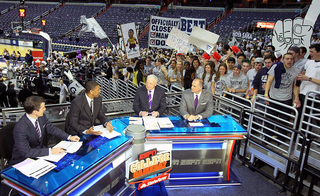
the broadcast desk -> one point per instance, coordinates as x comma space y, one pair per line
97, 167
200, 157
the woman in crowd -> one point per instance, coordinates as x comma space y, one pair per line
189, 75
199, 69
207, 75
14, 58
6, 57
161, 72
129, 74
219, 83
176, 76
138, 74
19, 59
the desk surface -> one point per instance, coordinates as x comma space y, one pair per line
216, 125
94, 151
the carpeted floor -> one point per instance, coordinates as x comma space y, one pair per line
253, 184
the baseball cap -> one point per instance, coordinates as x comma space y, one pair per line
235, 49
216, 56
259, 60
206, 56
295, 49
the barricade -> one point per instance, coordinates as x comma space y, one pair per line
310, 125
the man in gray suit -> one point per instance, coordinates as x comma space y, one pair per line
196, 103
84, 111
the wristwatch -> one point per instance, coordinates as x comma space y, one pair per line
310, 79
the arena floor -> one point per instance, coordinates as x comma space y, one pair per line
10, 48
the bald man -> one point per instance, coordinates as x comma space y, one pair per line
196, 103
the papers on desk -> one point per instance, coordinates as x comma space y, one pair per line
151, 123
106, 133
135, 121
71, 147
196, 124
165, 123
35, 169
53, 157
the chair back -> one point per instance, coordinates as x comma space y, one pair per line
6, 141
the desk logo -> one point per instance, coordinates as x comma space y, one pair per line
149, 163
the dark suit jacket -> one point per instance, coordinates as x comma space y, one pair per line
141, 100
23, 94
26, 143
80, 115
204, 107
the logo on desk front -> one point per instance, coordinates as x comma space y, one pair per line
149, 163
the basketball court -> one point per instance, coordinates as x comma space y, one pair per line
23, 50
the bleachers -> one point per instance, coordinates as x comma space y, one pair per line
209, 14
67, 17
239, 18
120, 15
32, 11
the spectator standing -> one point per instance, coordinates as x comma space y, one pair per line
3, 97
279, 87
12, 96
24, 93
237, 82
310, 79
138, 74
219, 82
208, 75
258, 64
199, 69
298, 62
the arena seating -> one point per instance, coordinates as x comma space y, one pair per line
239, 18
67, 17
210, 15
120, 15
32, 11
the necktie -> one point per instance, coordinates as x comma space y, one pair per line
91, 106
195, 102
38, 130
150, 100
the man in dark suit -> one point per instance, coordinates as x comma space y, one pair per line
24, 93
85, 109
12, 96
29, 132
3, 96
150, 99
196, 103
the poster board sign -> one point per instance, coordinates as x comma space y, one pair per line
203, 39
37, 57
187, 24
75, 88
178, 40
130, 40
160, 27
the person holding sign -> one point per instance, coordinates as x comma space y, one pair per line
132, 41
